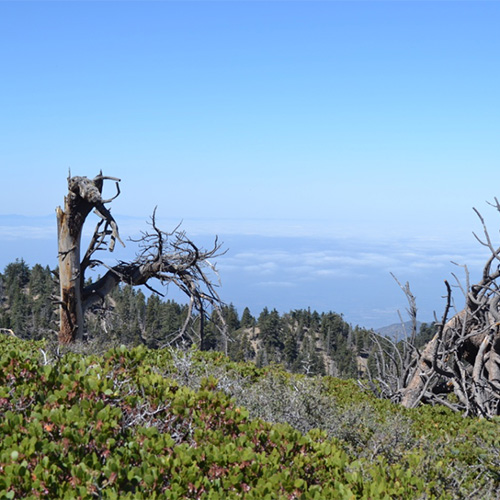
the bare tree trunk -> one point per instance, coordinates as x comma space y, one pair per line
71, 313
83, 195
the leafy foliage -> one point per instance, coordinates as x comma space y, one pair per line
140, 423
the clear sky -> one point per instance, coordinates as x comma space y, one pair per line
326, 140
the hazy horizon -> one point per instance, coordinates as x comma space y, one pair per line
348, 276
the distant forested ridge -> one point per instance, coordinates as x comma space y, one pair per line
302, 340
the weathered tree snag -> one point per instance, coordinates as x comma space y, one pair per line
167, 257
83, 196
463, 357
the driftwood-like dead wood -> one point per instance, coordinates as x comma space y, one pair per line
165, 257
7, 331
462, 358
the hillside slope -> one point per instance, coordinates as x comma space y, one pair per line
140, 423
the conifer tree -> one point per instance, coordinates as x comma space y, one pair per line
247, 320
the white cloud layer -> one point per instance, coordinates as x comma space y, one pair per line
12, 233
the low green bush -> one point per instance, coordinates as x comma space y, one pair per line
169, 424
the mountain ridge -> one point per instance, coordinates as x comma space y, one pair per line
398, 331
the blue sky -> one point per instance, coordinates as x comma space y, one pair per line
327, 143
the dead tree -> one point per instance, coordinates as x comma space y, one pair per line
167, 257
462, 358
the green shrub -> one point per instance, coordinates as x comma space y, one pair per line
167, 424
